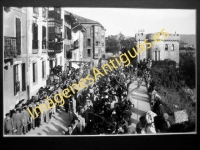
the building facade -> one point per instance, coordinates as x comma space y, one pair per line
15, 56
93, 40
37, 49
38, 39
168, 48
74, 41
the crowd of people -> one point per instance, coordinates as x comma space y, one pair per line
104, 107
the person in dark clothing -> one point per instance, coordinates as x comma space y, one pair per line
17, 121
160, 124
8, 125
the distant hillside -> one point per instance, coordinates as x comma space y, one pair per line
190, 39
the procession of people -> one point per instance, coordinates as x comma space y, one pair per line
105, 107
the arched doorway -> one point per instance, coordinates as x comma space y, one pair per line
157, 54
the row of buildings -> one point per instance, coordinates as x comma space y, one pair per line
36, 39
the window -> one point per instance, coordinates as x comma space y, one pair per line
65, 32
18, 35
166, 47
23, 77
16, 79
88, 52
69, 33
35, 36
88, 31
102, 42
102, 32
43, 69
96, 53
96, 30
69, 54
172, 48
97, 41
88, 42
44, 43
34, 72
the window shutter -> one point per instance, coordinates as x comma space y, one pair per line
36, 73
18, 35
33, 27
33, 65
36, 32
45, 69
23, 77
14, 75
43, 32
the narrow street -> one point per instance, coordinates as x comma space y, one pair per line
61, 120
140, 100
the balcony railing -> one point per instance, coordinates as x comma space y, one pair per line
55, 15
55, 47
10, 47
35, 44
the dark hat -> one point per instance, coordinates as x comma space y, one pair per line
18, 109
7, 114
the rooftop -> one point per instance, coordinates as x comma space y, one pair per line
83, 20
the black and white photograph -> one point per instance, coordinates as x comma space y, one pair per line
86, 71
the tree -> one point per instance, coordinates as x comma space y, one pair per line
187, 68
112, 44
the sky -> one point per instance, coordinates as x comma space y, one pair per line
129, 20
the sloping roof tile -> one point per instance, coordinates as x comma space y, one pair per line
84, 20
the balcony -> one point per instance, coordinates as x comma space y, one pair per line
11, 50
56, 16
55, 47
